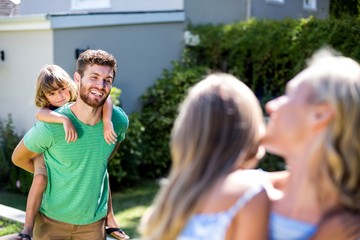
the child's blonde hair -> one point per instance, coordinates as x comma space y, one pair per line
51, 78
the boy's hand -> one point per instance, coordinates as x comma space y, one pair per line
70, 131
109, 133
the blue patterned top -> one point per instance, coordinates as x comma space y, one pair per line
214, 225
284, 228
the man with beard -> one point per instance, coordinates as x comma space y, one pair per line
77, 202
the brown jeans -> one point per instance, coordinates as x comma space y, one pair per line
51, 229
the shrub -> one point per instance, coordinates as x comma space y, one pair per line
12, 178
160, 107
124, 166
340, 8
264, 54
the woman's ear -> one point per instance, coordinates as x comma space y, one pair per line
322, 115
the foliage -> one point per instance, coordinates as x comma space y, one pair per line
12, 177
124, 166
115, 95
119, 170
145, 150
131, 204
341, 8
7, 227
160, 107
13, 199
264, 54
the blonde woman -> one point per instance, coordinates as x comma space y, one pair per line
209, 194
314, 126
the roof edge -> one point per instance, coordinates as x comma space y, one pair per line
25, 22
93, 19
114, 18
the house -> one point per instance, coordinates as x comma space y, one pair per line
145, 37
229, 11
76, 6
144, 43
9, 7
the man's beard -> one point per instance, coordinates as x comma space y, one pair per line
90, 102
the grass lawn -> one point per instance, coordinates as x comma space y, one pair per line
8, 227
128, 205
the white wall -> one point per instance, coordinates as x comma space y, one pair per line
148, 5
28, 7
143, 43
25, 54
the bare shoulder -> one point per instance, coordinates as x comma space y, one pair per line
257, 203
226, 191
251, 221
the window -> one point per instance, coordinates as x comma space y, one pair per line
310, 4
89, 4
281, 2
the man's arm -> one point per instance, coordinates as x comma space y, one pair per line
110, 208
110, 218
114, 151
22, 157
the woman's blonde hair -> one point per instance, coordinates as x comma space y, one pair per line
217, 131
51, 78
335, 79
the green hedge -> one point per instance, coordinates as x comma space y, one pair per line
264, 54
12, 178
341, 8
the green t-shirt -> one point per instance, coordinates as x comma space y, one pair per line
77, 190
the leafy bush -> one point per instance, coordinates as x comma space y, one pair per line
160, 107
115, 95
340, 8
264, 54
124, 166
11, 177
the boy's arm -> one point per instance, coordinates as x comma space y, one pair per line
107, 109
109, 133
47, 115
22, 157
